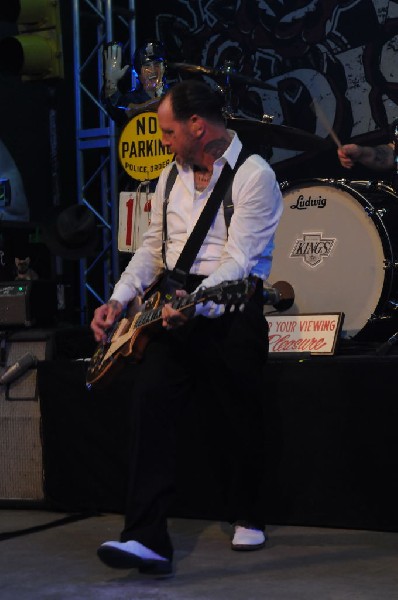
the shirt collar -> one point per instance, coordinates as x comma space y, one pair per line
230, 155
232, 152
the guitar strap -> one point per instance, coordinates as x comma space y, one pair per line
172, 176
222, 191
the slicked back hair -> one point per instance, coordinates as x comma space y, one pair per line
192, 97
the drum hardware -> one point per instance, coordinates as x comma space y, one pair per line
225, 88
394, 304
389, 265
385, 348
287, 183
369, 184
284, 184
395, 174
226, 73
371, 211
374, 185
381, 212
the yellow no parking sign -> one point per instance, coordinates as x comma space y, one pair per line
141, 152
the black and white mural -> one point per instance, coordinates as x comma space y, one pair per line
332, 64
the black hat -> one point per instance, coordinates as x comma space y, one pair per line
150, 51
71, 232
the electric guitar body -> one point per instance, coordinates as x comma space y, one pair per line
129, 336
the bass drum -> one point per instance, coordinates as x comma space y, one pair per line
336, 244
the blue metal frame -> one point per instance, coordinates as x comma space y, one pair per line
96, 149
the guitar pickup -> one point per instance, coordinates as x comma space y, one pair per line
121, 328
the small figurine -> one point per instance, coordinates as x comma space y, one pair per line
24, 270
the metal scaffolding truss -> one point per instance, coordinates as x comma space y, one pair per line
96, 145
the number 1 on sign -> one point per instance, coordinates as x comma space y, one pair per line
134, 219
129, 224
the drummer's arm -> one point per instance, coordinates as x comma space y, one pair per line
379, 158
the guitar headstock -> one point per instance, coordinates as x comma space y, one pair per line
231, 293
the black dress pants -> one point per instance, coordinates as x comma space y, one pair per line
223, 358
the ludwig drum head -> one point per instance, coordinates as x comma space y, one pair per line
328, 247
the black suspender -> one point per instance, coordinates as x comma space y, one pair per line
222, 192
172, 176
227, 199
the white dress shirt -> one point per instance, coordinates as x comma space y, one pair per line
224, 256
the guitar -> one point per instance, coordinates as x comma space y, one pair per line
130, 334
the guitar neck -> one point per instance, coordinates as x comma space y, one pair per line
155, 314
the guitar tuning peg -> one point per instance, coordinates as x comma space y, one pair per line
241, 307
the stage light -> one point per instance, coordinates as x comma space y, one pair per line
35, 52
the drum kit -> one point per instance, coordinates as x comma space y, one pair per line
335, 244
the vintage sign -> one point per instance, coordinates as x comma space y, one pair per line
313, 334
141, 152
134, 219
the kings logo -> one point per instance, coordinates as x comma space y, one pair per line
312, 248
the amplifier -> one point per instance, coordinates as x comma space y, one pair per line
28, 302
21, 453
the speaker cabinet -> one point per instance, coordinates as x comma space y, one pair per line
21, 463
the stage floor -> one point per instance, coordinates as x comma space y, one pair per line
331, 469
53, 555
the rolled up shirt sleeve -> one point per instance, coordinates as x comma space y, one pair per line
146, 263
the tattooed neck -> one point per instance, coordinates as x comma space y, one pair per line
216, 148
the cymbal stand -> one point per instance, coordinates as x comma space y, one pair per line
386, 346
226, 88
395, 175
3, 347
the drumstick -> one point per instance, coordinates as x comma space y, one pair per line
322, 117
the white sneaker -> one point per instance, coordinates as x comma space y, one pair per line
132, 554
248, 538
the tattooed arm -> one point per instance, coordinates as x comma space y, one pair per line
380, 158
104, 317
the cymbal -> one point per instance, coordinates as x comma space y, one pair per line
277, 136
238, 77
